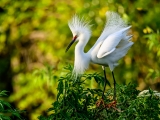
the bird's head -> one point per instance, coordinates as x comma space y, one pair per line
80, 29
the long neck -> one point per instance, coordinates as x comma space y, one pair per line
79, 49
82, 59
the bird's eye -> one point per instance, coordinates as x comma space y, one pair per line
75, 37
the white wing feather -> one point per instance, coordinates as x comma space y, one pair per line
111, 42
114, 23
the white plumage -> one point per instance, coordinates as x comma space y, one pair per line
112, 45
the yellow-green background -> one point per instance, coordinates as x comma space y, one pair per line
34, 35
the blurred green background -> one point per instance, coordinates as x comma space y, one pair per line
34, 35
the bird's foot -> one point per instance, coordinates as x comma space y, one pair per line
113, 105
100, 102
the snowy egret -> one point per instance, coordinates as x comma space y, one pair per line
112, 45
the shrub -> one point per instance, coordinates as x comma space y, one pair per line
75, 101
7, 112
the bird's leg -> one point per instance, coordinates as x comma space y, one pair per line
114, 96
113, 103
101, 101
105, 81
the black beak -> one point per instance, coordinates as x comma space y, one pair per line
70, 44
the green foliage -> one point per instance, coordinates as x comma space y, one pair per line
7, 112
74, 101
153, 42
35, 33
38, 91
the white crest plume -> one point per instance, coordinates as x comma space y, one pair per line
77, 24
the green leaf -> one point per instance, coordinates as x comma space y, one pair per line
3, 93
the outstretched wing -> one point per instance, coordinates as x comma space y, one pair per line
114, 23
111, 42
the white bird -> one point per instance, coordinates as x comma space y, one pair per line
112, 45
